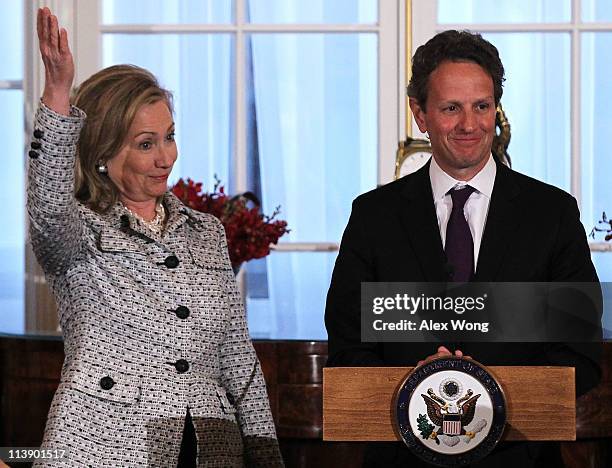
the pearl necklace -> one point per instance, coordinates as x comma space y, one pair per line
156, 225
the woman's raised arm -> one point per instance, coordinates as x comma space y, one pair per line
55, 225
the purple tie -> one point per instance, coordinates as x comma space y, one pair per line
459, 243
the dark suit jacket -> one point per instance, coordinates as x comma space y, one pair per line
532, 234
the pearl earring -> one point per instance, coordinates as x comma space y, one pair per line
102, 169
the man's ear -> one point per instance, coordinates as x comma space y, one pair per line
419, 114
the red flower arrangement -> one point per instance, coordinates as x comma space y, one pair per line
249, 232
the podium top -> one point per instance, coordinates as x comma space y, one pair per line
357, 402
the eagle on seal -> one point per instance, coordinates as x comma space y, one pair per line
451, 418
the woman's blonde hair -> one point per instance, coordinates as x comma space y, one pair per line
110, 98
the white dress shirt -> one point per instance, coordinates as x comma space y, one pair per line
477, 206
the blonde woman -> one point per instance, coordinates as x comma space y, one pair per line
159, 368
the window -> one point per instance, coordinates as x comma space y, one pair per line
296, 101
301, 103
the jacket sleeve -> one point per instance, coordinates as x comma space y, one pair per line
354, 265
55, 225
572, 264
243, 379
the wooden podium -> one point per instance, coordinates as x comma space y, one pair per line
357, 402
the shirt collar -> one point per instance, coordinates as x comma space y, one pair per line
441, 182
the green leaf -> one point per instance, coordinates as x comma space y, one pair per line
424, 427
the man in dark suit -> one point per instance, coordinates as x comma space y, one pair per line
507, 228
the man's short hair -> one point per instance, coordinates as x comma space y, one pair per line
454, 46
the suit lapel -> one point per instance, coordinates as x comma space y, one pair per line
503, 220
418, 218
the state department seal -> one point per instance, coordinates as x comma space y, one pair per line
450, 411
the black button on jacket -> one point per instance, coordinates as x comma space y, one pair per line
106, 383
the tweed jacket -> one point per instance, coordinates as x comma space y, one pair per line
152, 326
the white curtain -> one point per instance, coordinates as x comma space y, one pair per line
315, 107
12, 174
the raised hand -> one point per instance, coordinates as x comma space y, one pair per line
57, 58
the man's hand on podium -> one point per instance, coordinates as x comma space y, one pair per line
442, 352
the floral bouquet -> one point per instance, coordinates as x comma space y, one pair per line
249, 232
